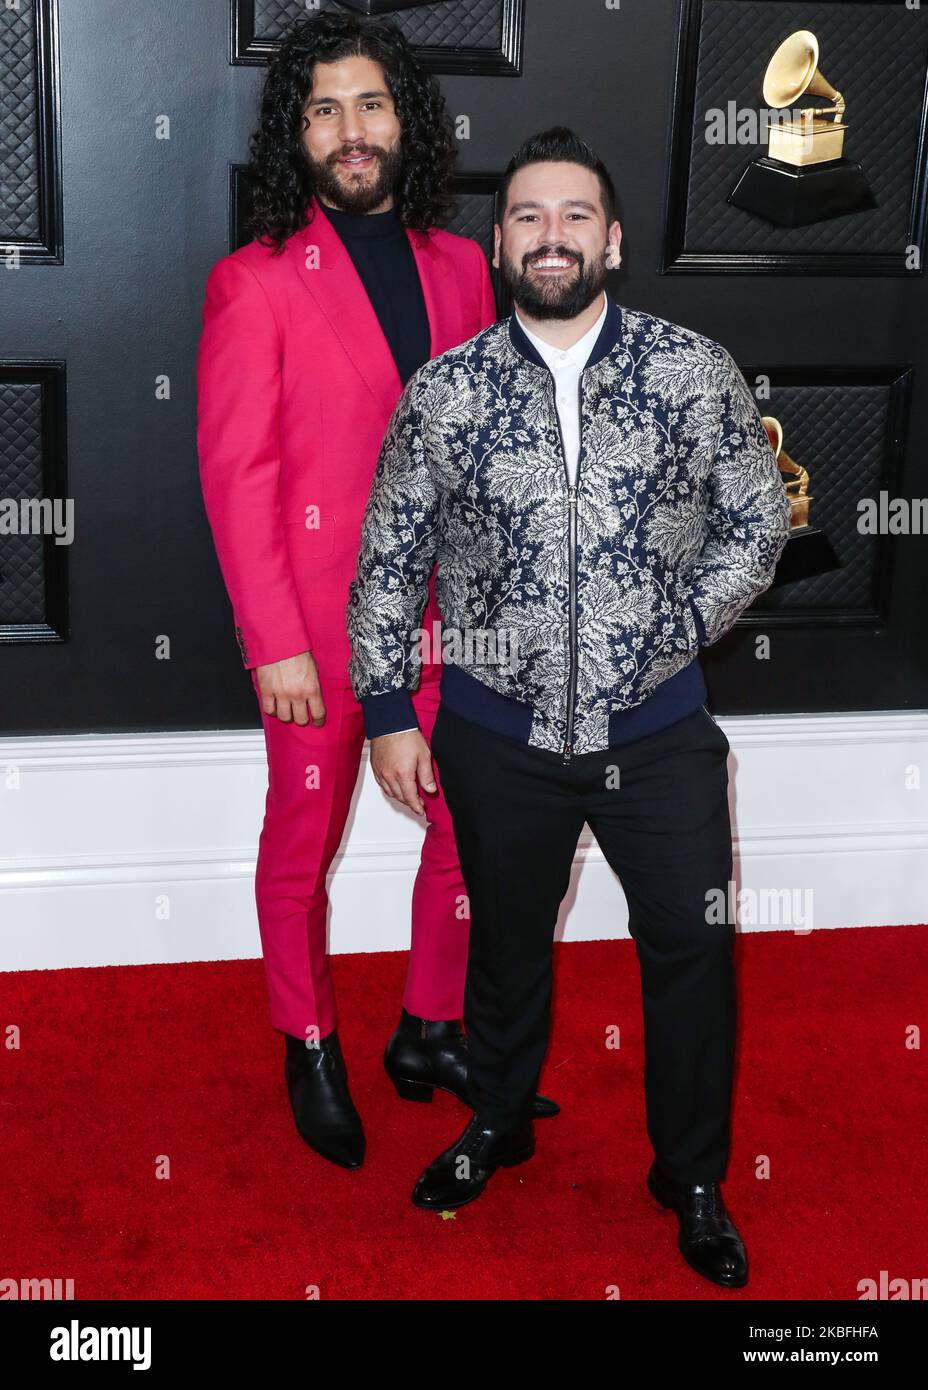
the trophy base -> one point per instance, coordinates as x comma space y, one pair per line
807, 552
794, 195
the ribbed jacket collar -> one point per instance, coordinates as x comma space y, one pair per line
609, 335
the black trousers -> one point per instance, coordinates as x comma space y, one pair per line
658, 808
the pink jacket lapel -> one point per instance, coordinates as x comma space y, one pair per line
327, 271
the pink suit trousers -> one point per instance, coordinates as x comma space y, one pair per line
296, 385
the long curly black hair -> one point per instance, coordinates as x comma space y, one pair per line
279, 177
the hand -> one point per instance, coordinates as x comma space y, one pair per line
287, 687
398, 760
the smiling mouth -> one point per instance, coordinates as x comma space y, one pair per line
554, 264
356, 161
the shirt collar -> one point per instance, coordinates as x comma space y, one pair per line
577, 353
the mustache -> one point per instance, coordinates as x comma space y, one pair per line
560, 251
354, 149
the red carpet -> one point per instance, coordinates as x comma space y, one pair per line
120, 1066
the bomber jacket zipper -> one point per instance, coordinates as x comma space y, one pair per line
572, 489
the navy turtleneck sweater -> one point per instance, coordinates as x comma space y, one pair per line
379, 248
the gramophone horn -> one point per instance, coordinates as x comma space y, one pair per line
793, 71
774, 432
797, 490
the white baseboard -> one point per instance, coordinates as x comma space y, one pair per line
122, 850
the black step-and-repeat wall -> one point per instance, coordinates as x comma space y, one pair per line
796, 239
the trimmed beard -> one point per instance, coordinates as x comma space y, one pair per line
563, 298
357, 196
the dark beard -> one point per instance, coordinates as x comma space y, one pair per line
357, 197
561, 299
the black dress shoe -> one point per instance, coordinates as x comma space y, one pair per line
448, 1182
708, 1240
423, 1055
317, 1083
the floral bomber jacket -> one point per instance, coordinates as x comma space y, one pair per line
605, 589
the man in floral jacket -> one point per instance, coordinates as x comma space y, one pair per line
599, 494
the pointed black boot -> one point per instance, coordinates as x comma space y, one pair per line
451, 1182
317, 1083
708, 1239
423, 1055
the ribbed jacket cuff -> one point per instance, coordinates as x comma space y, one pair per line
389, 713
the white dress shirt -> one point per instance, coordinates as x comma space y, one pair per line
567, 364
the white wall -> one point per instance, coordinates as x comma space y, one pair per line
95, 831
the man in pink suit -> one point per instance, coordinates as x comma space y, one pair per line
309, 334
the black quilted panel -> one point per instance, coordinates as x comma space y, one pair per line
472, 24
838, 432
20, 182
22, 590
473, 217
875, 54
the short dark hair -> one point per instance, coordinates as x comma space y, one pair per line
561, 144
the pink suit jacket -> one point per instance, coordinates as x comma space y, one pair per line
296, 384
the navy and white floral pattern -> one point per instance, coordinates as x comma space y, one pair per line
679, 503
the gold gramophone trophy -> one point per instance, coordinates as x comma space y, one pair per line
804, 176
808, 550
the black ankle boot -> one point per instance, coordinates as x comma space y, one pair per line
447, 1182
317, 1083
423, 1055
708, 1240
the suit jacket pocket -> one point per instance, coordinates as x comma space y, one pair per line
312, 535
